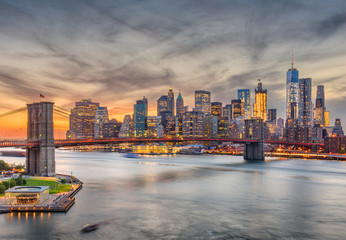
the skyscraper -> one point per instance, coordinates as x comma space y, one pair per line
170, 101
180, 106
337, 129
125, 127
319, 107
82, 119
227, 112
244, 95
260, 105
237, 108
139, 117
292, 92
162, 104
193, 124
305, 103
216, 109
202, 101
100, 119
153, 126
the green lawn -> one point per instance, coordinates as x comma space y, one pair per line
55, 187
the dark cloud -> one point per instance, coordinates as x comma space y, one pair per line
118, 51
332, 24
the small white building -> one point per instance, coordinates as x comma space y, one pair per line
27, 195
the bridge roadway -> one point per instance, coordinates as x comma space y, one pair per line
83, 142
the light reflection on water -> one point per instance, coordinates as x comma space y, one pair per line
192, 197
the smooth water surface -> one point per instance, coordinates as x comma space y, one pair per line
192, 197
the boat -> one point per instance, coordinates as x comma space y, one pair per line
131, 155
190, 151
89, 228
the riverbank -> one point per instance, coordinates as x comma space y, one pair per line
298, 155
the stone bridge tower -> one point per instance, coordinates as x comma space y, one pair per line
40, 160
254, 129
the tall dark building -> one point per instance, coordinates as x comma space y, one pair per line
170, 101
162, 104
305, 103
244, 95
227, 112
139, 117
180, 110
272, 115
216, 109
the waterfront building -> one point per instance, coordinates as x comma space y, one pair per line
101, 118
260, 105
27, 195
305, 103
238, 108
162, 104
193, 123
295, 132
139, 117
335, 144
180, 109
272, 116
82, 119
111, 129
292, 92
202, 101
216, 109
153, 126
244, 95
319, 113
317, 134
170, 101
125, 127
337, 129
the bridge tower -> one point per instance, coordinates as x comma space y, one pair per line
40, 160
254, 129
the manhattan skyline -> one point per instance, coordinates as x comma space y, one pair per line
118, 52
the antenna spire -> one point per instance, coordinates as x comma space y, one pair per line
292, 59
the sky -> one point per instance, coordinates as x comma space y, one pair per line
116, 52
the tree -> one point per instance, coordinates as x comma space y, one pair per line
63, 180
9, 184
19, 181
4, 166
2, 189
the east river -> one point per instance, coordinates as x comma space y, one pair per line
192, 197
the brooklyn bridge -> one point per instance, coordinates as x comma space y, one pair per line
41, 140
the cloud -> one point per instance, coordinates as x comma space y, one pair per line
118, 51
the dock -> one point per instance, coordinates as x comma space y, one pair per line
61, 204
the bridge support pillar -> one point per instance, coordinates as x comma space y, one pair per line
254, 129
254, 151
41, 160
